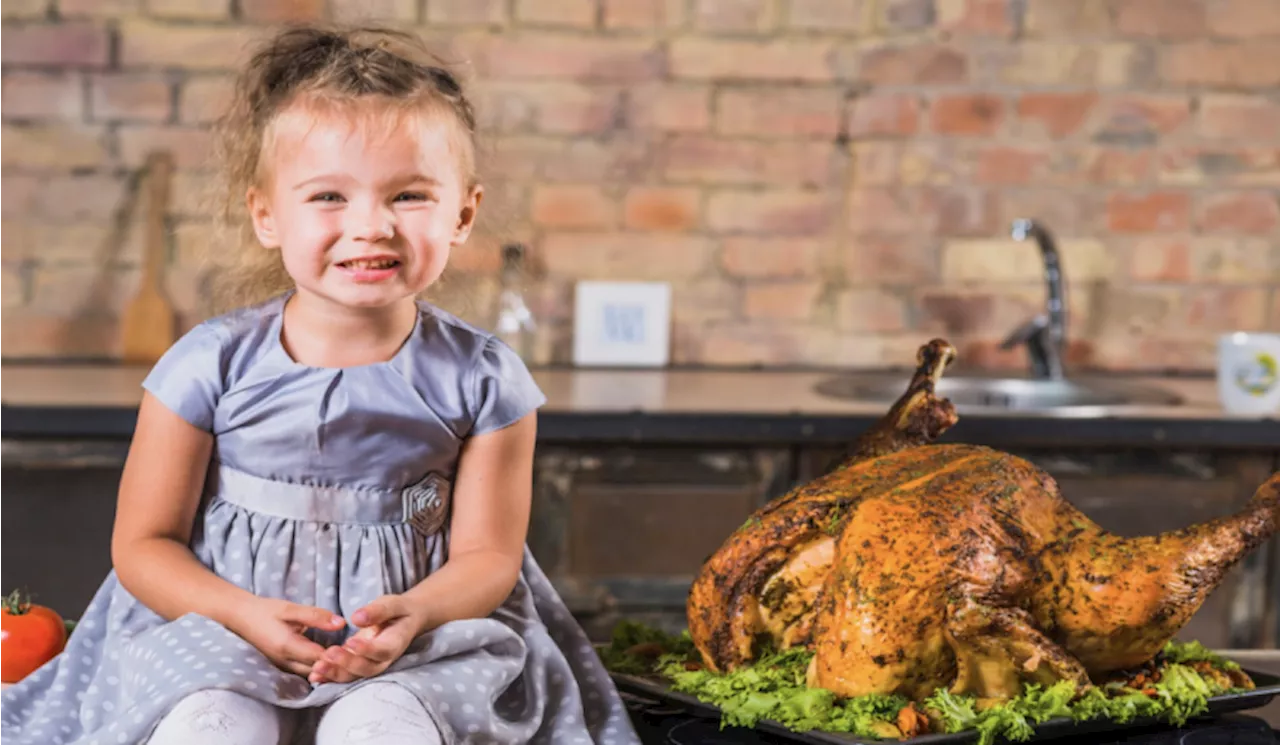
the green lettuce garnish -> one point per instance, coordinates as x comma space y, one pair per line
627, 652
1193, 651
774, 688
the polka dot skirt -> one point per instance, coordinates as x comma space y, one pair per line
525, 674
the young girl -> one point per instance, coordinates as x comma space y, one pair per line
321, 525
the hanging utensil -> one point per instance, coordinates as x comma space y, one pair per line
148, 324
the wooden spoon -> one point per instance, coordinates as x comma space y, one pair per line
148, 324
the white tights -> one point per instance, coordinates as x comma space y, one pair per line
218, 717
374, 714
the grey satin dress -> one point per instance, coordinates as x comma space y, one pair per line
330, 487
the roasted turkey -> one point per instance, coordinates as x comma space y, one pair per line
912, 566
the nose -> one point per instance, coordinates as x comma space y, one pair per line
373, 224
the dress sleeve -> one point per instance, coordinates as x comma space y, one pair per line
503, 389
188, 378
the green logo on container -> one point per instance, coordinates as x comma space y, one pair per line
1258, 377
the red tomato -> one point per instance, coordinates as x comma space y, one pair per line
30, 635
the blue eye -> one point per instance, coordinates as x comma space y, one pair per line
327, 196
415, 196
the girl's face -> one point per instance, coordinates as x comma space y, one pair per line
364, 216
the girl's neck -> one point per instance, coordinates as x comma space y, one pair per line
320, 333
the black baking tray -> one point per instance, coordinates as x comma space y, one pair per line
1267, 688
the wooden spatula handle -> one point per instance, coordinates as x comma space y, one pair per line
159, 175
148, 322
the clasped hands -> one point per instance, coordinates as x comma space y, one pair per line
388, 625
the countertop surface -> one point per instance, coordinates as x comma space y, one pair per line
589, 391
56, 400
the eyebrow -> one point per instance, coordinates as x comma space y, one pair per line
415, 178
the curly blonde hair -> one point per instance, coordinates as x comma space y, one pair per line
333, 67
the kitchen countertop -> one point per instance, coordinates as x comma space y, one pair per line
739, 406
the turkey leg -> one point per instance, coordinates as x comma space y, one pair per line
1116, 601
919, 416
999, 649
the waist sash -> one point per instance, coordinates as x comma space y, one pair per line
423, 505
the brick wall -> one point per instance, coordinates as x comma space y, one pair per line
823, 181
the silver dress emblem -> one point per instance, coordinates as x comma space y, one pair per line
426, 504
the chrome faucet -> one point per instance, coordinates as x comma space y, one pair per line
1045, 335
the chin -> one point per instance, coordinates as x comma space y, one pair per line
368, 297
370, 303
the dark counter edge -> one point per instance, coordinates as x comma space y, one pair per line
638, 427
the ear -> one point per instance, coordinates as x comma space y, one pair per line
264, 225
467, 215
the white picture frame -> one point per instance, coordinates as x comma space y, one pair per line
621, 324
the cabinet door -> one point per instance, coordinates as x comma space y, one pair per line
622, 532
57, 531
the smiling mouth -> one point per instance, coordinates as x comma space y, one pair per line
369, 263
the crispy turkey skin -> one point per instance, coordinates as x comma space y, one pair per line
913, 566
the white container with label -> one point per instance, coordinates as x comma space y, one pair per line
1249, 373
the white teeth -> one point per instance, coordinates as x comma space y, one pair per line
375, 264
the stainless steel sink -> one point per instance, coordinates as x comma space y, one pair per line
1075, 396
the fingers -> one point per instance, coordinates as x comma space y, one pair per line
343, 666
368, 633
379, 611
363, 655
368, 648
301, 669
325, 672
351, 662
301, 649
309, 615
